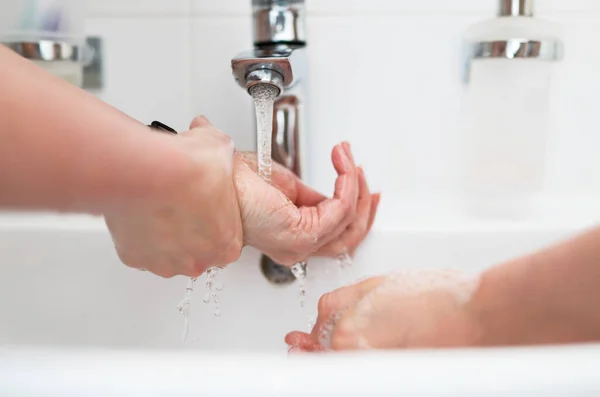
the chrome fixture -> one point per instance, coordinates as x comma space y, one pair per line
279, 22
93, 63
550, 50
47, 51
279, 59
88, 54
546, 50
515, 8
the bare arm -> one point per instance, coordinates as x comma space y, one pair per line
549, 297
62, 149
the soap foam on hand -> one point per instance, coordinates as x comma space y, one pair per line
399, 301
405, 301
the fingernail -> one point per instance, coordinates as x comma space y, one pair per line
349, 151
361, 170
378, 199
203, 121
346, 163
199, 122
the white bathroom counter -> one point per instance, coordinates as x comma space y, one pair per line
554, 371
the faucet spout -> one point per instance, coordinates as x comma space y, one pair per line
283, 67
264, 76
279, 59
279, 21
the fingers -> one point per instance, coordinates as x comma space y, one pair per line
345, 335
349, 240
301, 342
324, 222
286, 182
317, 221
199, 122
375, 200
337, 301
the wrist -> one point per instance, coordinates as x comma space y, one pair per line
492, 310
508, 309
143, 172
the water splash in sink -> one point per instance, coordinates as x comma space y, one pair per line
212, 289
184, 308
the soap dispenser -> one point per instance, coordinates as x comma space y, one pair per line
511, 60
50, 33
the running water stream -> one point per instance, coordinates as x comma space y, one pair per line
264, 96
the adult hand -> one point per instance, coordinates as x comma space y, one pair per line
407, 310
289, 221
219, 203
193, 223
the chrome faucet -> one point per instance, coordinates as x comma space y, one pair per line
279, 59
523, 8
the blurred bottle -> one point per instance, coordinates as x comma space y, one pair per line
507, 110
48, 32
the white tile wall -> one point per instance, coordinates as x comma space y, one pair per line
148, 65
215, 40
385, 74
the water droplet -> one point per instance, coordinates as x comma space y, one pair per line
184, 308
311, 323
217, 312
264, 97
299, 270
219, 286
207, 297
344, 259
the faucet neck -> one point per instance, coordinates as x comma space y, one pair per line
515, 8
279, 22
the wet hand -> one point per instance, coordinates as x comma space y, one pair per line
420, 309
289, 221
219, 203
192, 224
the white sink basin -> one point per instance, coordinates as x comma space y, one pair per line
62, 288
62, 284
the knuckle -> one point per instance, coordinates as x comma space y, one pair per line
354, 241
336, 248
339, 341
196, 269
199, 121
348, 208
287, 259
226, 139
228, 247
192, 268
304, 248
128, 259
166, 273
232, 251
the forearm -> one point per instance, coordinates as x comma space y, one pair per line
62, 149
549, 297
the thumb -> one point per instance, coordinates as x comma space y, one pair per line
199, 122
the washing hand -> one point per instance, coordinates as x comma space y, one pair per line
289, 221
193, 223
219, 204
406, 310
